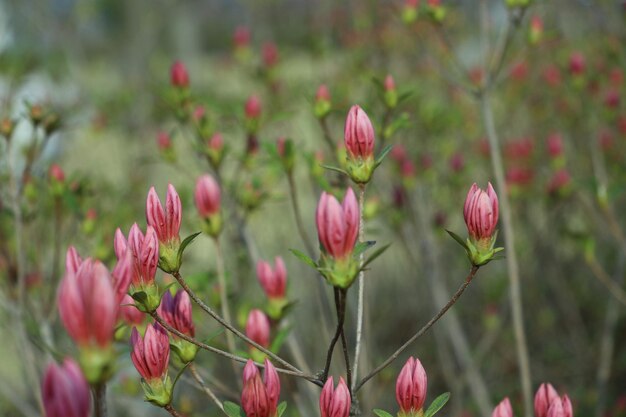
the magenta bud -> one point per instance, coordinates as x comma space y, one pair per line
253, 107
164, 142
389, 84
577, 63
178, 75
543, 399
207, 196
411, 386
335, 402
338, 224
166, 223
568, 410
122, 275
258, 328
272, 385
359, 134
216, 142
249, 371
322, 93
87, 304
64, 391
56, 173
150, 354
273, 281
556, 408
269, 53
254, 398
177, 312
241, 37
555, 145
481, 213
503, 409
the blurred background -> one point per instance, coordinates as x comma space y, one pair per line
102, 68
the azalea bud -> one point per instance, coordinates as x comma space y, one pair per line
269, 54
410, 11
207, 198
64, 391
322, 104
391, 95
543, 399
536, 30
411, 387
56, 173
241, 37
481, 217
122, 275
274, 283
177, 312
252, 111
555, 145
258, 328
7, 125
335, 402
503, 409
166, 224
215, 150
436, 11
359, 142
577, 63
286, 153
260, 398
178, 75
72, 260
559, 182
457, 162
556, 408
130, 314
151, 355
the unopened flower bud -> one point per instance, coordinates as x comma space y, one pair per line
258, 330
286, 153
503, 409
56, 173
274, 283
543, 399
411, 387
323, 103
208, 199
166, 224
130, 314
577, 64
335, 402
7, 125
269, 53
151, 355
391, 95
179, 77
177, 312
481, 217
410, 11
252, 111
535, 31
359, 142
64, 391
259, 398
215, 150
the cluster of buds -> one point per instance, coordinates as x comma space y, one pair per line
259, 397
64, 391
359, 142
89, 299
151, 355
481, 217
338, 229
548, 403
166, 224
208, 200
177, 312
335, 402
322, 104
411, 387
274, 283
145, 259
258, 330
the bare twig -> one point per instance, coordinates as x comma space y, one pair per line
172, 411
221, 279
204, 388
340, 319
361, 294
298, 217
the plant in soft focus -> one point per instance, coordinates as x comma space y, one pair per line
258, 330
503, 409
166, 224
151, 355
274, 284
208, 202
65, 391
177, 312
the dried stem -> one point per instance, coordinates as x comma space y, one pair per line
421, 331
205, 389
100, 400
361, 293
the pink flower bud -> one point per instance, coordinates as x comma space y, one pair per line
249, 371
338, 224
552, 75
122, 275
457, 162
272, 385
322, 93
359, 134
555, 145
198, 114
178, 75
254, 398
72, 260
390, 84
163, 141
145, 252
559, 180
258, 328
207, 196
398, 153
87, 304
129, 313
150, 355
274, 282
543, 398
177, 312
56, 173
481, 212
503, 409
612, 99
568, 410
556, 408
64, 391
241, 37
166, 223
270, 54
216, 142
577, 63
253, 107
411, 386
335, 402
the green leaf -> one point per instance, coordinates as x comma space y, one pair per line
375, 255
213, 335
310, 262
140, 296
459, 239
185, 242
437, 404
377, 81
404, 96
180, 373
331, 168
361, 247
281, 408
381, 413
383, 154
232, 409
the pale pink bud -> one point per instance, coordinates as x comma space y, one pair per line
241, 37
64, 391
207, 196
145, 251
481, 212
119, 243
129, 313
151, 354
270, 54
177, 312
335, 402
249, 371
322, 93
216, 142
166, 223
503, 409
258, 328
87, 304
543, 398
72, 260
359, 134
556, 408
198, 113
536, 23
178, 75
56, 173
338, 224
457, 162
253, 107
411, 386
390, 83
274, 282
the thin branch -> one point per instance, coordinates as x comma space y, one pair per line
328, 138
100, 400
421, 331
221, 279
204, 388
172, 411
338, 331
598, 271
361, 294
298, 217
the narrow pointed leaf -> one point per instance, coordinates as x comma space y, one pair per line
304, 258
383, 154
437, 404
186, 242
281, 408
361, 247
232, 409
381, 413
332, 168
458, 239
375, 255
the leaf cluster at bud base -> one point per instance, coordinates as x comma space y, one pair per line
147, 296
479, 252
169, 261
185, 351
97, 363
339, 273
157, 391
